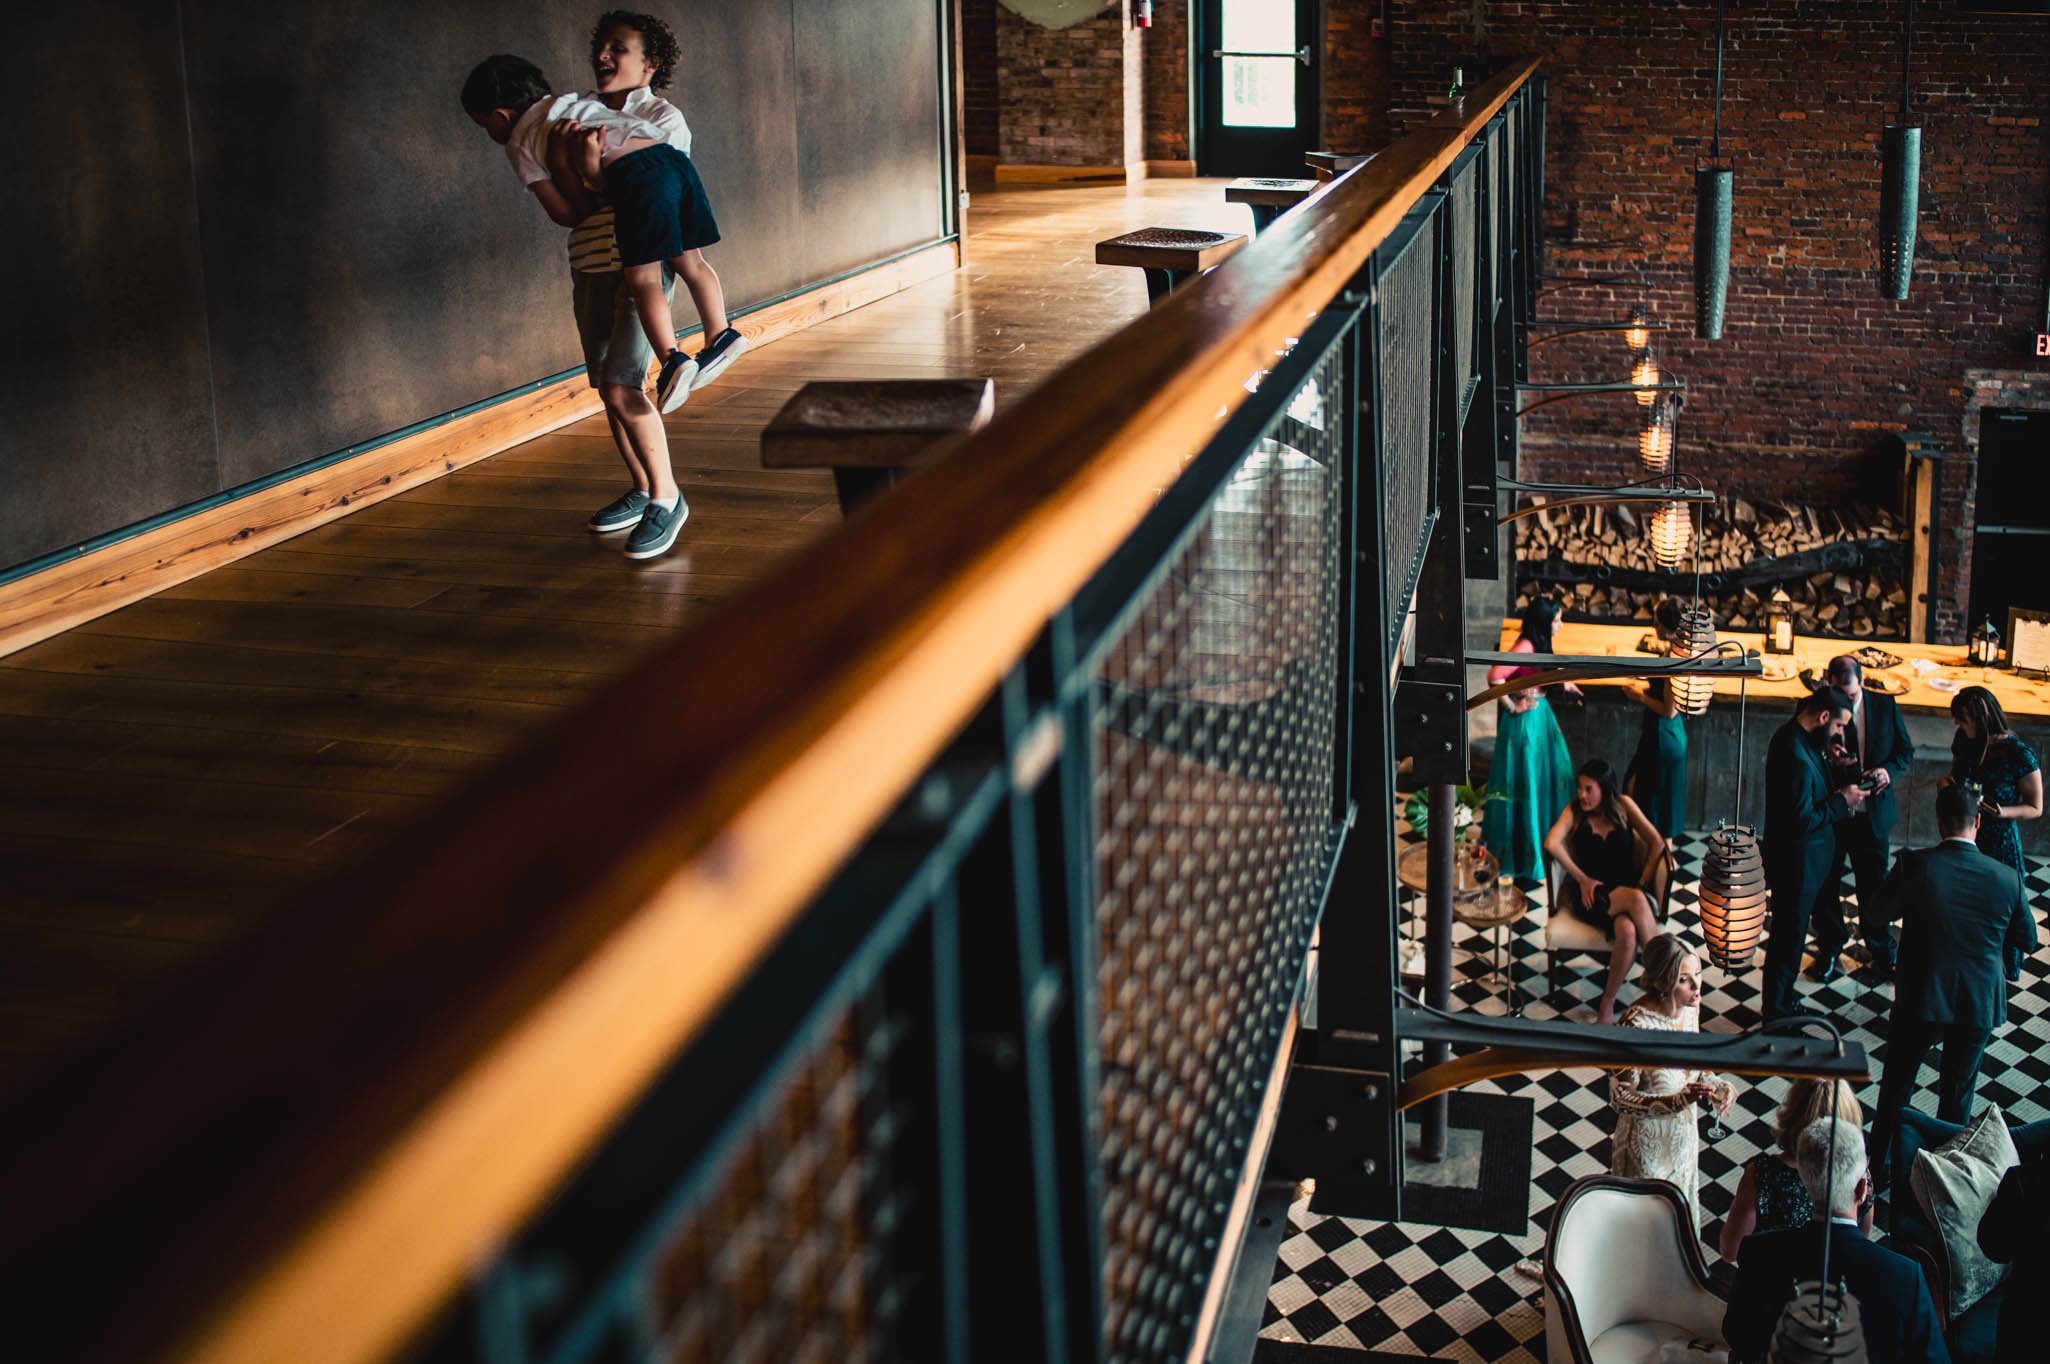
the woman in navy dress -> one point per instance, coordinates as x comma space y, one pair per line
2010, 781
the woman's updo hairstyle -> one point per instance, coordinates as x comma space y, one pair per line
1659, 966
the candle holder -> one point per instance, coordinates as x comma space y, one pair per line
1779, 623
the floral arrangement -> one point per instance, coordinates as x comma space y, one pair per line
1466, 810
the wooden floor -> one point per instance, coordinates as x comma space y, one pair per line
171, 772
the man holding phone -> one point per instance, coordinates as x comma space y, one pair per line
1877, 748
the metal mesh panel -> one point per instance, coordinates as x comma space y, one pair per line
1463, 266
1404, 328
788, 1257
1214, 731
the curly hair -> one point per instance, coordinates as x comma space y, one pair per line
658, 44
504, 82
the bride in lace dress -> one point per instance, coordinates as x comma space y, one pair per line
1656, 1135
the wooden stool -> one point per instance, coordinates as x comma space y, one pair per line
872, 432
1268, 199
1331, 165
1168, 255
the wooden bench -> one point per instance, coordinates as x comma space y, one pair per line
873, 432
1168, 255
1331, 165
1268, 199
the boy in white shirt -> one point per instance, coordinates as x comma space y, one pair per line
660, 211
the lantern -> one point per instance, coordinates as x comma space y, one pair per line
1645, 375
1672, 532
1655, 437
1732, 897
1695, 640
1779, 623
1984, 645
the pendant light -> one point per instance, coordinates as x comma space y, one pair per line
1900, 183
1672, 534
1732, 897
1819, 1325
1714, 186
1696, 640
1655, 436
1644, 374
1637, 336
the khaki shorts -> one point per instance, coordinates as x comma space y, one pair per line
616, 349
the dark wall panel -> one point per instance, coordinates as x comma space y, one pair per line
335, 252
868, 127
104, 416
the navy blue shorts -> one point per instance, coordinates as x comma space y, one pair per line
659, 208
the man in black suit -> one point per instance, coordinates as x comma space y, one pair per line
1876, 743
1958, 910
1894, 1308
1801, 813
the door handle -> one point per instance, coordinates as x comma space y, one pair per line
1302, 54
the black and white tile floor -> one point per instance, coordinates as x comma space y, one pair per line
1448, 1293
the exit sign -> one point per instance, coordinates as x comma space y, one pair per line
2043, 345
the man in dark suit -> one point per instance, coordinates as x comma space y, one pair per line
1876, 743
1895, 1311
1958, 910
1801, 813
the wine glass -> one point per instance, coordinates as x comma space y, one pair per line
1716, 1130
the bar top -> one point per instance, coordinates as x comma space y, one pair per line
2018, 696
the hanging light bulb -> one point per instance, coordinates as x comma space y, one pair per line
1655, 436
1732, 897
1819, 1326
1672, 534
1645, 375
1637, 336
1695, 640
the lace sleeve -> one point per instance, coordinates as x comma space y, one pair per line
1627, 1094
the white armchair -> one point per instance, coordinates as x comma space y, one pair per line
1624, 1274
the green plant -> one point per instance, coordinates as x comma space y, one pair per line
1466, 808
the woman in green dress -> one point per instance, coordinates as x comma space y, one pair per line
1658, 771
1532, 772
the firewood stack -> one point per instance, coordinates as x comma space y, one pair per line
1843, 566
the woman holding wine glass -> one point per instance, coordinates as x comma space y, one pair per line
1655, 1122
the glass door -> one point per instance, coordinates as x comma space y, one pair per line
1257, 98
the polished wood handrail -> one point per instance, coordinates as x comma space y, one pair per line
300, 1152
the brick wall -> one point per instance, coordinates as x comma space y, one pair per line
1814, 368
1355, 78
979, 76
1063, 95
1166, 49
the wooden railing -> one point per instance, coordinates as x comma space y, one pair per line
304, 1152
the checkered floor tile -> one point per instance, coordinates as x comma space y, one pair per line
1448, 1293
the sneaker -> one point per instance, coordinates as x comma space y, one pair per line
673, 385
658, 530
621, 513
713, 359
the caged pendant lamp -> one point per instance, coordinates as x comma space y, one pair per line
1732, 897
1655, 435
1819, 1326
1672, 535
1696, 640
1714, 186
1637, 336
1900, 183
1644, 374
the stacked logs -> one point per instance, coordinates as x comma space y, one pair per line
1843, 566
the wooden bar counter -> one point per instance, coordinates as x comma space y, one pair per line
1608, 725
2020, 697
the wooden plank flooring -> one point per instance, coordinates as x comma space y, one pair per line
170, 773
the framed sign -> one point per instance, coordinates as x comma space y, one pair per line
2028, 641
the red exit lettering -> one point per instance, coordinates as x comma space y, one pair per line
2043, 343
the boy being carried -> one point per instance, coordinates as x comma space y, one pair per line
660, 212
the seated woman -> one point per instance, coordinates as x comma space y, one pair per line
1770, 1195
1594, 841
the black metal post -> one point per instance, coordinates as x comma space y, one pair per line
1438, 953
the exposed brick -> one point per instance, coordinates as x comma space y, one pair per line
1814, 369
